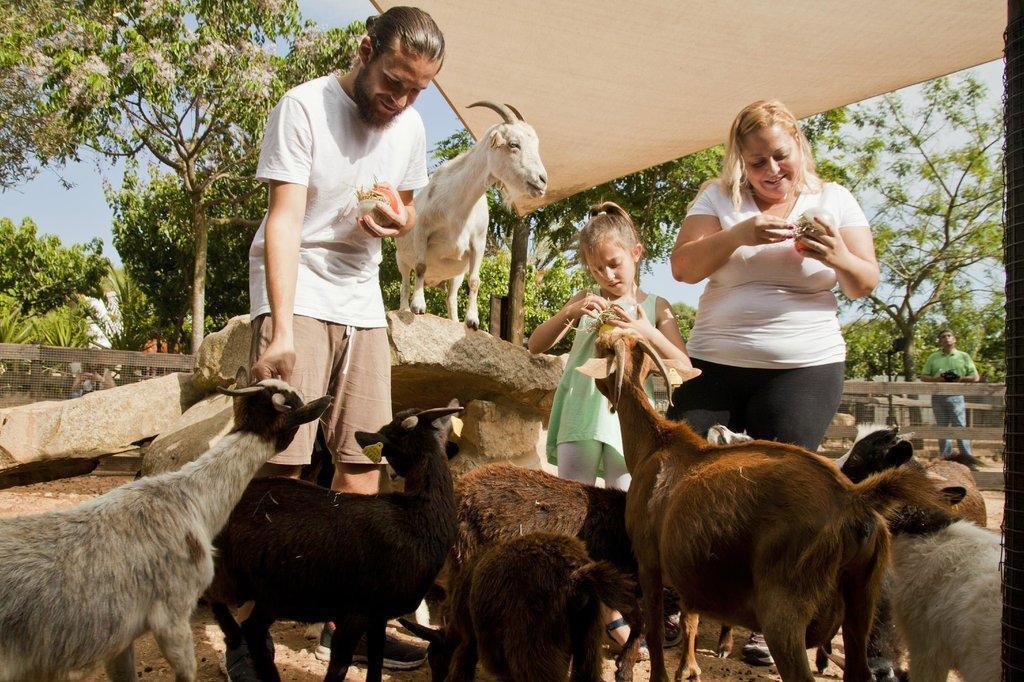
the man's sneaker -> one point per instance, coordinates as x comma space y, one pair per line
755, 651
236, 665
398, 655
969, 461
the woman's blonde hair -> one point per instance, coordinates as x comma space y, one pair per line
607, 220
758, 116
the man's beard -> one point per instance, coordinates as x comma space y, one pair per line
368, 113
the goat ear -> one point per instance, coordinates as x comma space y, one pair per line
684, 369
241, 377
497, 139
953, 494
424, 632
310, 411
596, 368
901, 453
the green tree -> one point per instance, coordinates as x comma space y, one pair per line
40, 274
934, 171
29, 132
129, 322
685, 316
867, 342
152, 233
186, 82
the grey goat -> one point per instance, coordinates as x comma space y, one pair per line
78, 585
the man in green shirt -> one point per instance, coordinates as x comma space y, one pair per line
951, 365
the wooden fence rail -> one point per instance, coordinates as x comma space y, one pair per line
30, 373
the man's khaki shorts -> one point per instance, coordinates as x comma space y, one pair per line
352, 364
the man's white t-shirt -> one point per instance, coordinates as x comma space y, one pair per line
314, 137
769, 306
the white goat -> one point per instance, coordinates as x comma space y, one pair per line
450, 235
78, 585
946, 595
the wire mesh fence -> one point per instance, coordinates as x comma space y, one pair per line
1013, 246
30, 373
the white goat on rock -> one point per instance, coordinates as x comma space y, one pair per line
451, 211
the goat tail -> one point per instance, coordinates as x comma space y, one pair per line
887, 489
601, 581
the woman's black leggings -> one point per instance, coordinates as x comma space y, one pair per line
785, 405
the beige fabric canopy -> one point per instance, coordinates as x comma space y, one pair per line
613, 87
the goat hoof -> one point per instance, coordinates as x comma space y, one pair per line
723, 653
418, 309
689, 672
472, 323
882, 670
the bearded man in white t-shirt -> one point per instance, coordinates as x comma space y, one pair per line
315, 299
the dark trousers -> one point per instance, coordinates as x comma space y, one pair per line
785, 405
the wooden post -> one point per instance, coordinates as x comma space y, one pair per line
499, 318
517, 282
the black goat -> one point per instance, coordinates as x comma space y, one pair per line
304, 553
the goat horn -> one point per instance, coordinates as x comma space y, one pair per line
620, 362
280, 402
516, 112
240, 392
501, 109
438, 412
647, 348
410, 422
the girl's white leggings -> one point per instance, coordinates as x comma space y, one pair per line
579, 461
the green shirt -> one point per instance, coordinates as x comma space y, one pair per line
958, 361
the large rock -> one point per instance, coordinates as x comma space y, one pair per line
494, 432
191, 435
506, 389
432, 361
96, 424
435, 359
221, 354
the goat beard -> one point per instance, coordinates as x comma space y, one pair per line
363, 97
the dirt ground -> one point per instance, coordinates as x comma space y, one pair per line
294, 656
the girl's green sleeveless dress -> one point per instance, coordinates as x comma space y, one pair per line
579, 411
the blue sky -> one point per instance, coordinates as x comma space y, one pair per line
81, 213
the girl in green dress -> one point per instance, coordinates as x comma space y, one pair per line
583, 433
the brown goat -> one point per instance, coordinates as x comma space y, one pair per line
760, 534
499, 502
526, 607
972, 507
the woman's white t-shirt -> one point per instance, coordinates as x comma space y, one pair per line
769, 306
314, 137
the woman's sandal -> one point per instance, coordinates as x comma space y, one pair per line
642, 653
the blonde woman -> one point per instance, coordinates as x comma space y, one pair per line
767, 336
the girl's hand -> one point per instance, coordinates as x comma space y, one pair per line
828, 248
762, 229
641, 325
587, 304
